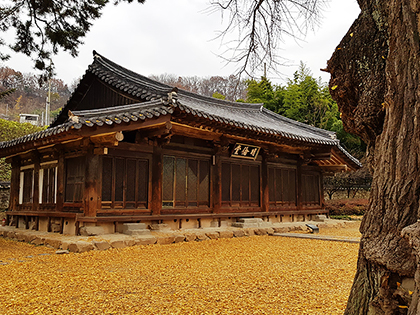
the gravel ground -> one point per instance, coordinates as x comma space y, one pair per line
248, 275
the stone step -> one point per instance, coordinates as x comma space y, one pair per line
134, 226
135, 229
137, 232
91, 230
250, 220
160, 227
251, 223
245, 225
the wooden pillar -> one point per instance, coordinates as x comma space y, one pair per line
92, 177
157, 170
299, 184
60, 180
35, 197
216, 186
15, 182
321, 190
265, 201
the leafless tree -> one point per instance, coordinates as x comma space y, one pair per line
231, 87
261, 25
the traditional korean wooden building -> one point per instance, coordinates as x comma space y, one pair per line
126, 148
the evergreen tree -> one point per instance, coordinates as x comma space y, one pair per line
264, 92
306, 100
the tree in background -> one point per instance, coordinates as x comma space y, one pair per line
262, 25
306, 100
231, 87
29, 96
43, 27
10, 130
264, 92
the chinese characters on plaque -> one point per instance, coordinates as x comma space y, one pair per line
245, 151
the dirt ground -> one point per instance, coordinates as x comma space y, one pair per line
248, 275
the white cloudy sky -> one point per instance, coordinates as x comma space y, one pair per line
175, 37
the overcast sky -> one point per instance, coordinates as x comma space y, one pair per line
176, 37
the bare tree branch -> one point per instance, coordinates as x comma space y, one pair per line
261, 25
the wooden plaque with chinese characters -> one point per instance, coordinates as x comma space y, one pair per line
245, 151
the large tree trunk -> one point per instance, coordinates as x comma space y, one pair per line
375, 81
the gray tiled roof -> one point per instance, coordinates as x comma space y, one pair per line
157, 99
99, 117
126, 80
253, 117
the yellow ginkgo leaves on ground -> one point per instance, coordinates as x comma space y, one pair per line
249, 275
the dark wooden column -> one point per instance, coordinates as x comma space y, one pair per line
92, 176
157, 170
265, 201
60, 180
216, 186
321, 190
35, 197
299, 184
15, 182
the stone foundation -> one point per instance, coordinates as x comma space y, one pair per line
69, 225
80, 244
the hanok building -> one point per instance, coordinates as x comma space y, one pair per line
126, 148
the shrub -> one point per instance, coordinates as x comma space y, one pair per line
345, 207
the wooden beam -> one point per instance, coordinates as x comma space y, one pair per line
76, 134
157, 170
14, 190
162, 130
216, 187
110, 139
299, 185
60, 179
35, 197
192, 132
334, 168
321, 190
265, 200
92, 176
326, 155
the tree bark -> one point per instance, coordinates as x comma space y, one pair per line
375, 81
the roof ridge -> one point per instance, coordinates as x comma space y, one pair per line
114, 109
129, 74
122, 71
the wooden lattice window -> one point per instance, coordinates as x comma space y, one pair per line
48, 183
75, 179
185, 182
282, 186
240, 185
26, 186
124, 182
310, 188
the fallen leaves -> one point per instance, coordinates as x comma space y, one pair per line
253, 275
